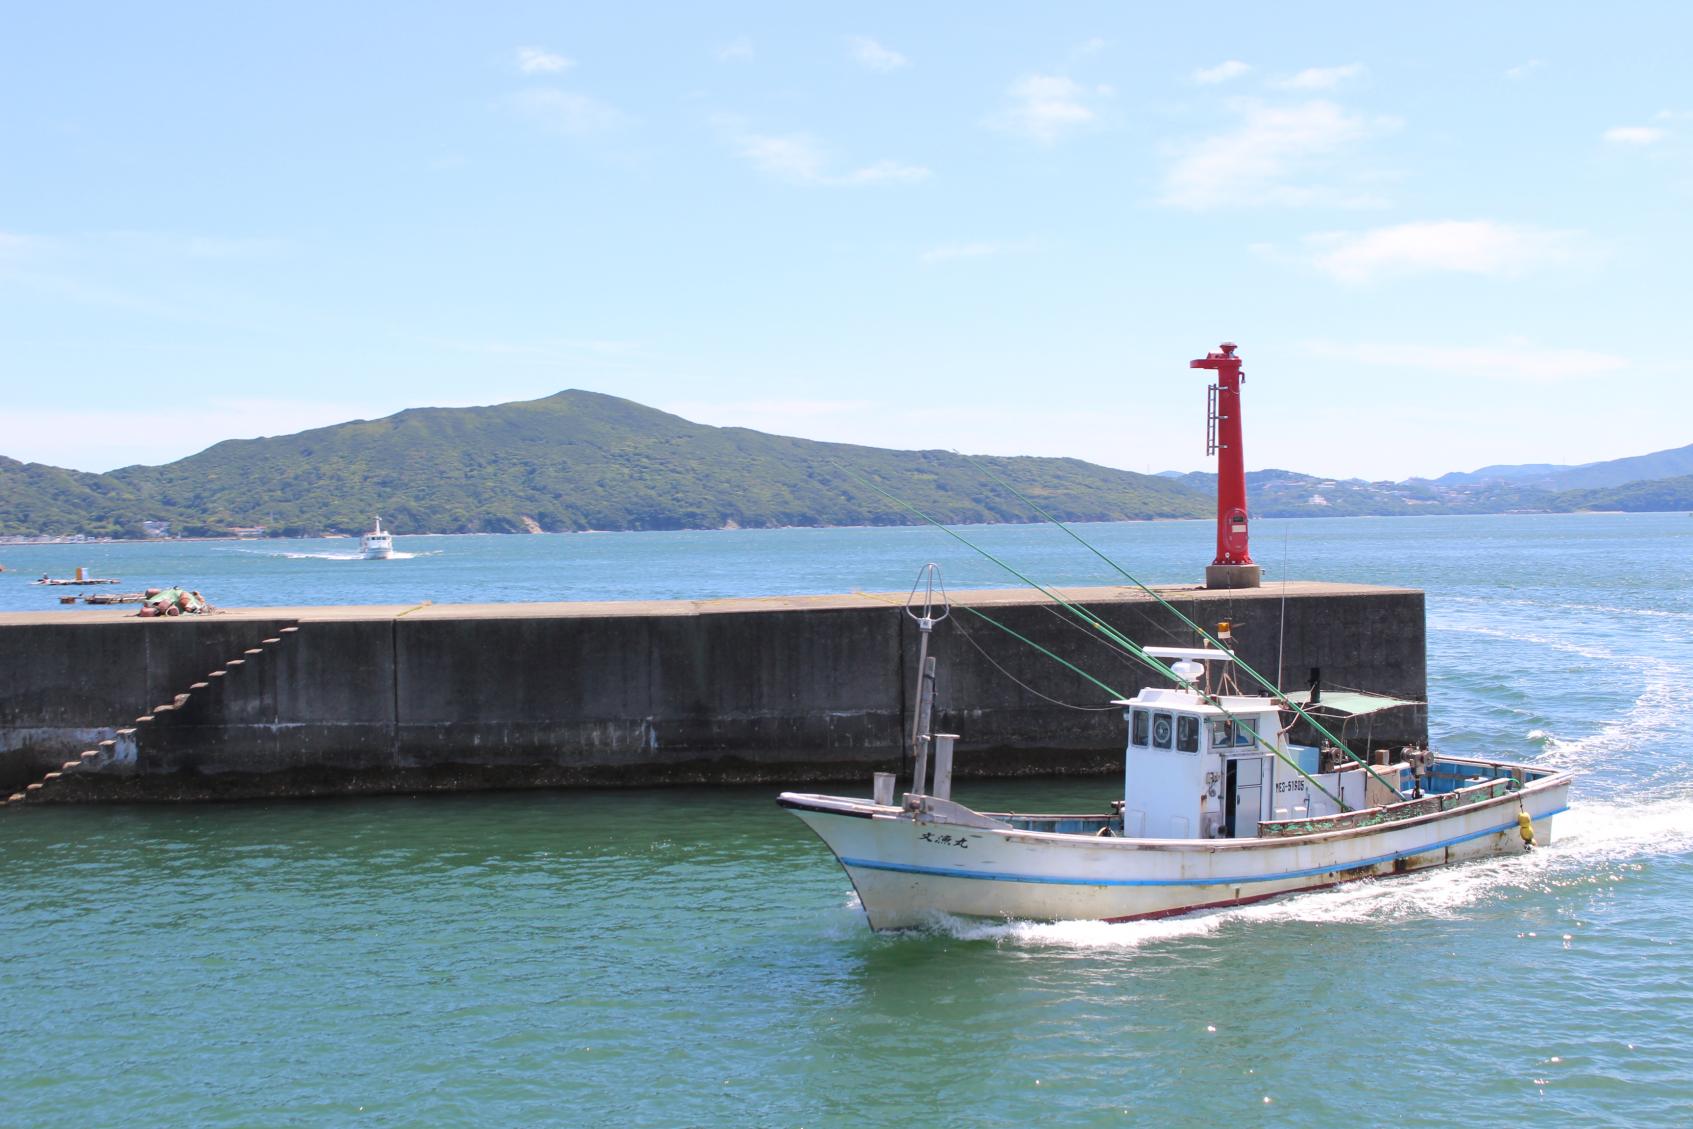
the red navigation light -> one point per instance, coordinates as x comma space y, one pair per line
1233, 567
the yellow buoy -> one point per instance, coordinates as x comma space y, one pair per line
1525, 826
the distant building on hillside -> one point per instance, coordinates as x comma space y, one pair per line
156, 528
247, 530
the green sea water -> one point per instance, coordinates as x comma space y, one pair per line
695, 957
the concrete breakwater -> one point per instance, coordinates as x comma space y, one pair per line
382, 699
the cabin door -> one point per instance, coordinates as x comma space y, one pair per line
1244, 786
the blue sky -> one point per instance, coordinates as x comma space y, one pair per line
1443, 235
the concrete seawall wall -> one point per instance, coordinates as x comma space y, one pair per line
802, 688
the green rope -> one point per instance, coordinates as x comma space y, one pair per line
1109, 632
1116, 694
1275, 691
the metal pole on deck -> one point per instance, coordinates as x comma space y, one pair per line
925, 709
927, 613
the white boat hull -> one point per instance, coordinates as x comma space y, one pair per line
908, 867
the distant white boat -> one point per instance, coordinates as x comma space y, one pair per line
378, 544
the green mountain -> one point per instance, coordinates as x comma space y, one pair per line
1635, 497
45, 500
577, 460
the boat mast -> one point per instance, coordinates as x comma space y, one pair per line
925, 613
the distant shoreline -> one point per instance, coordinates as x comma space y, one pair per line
61, 542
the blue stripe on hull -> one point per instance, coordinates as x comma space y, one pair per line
944, 872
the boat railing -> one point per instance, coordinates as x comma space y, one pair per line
1062, 824
1447, 774
1431, 803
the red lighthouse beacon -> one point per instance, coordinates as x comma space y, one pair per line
1233, 567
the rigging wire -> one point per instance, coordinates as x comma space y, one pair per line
1116, 652
1113, 634
1281, 632
1173, 610
968, 638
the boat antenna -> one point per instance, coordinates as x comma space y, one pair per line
1281, 635
928, 611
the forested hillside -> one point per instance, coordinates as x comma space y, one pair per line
576, 460
583, 460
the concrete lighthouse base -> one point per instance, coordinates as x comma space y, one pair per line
1233, 576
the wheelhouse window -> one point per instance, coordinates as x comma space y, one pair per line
1139, 725
1222, 734
1187, 734
1161, 729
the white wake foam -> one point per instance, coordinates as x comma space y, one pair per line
1591, 839
1658, 710
1587, 650
1608, 611
395, 556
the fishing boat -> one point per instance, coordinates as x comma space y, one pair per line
378, 544
1218, 807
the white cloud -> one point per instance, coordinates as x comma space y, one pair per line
868, 53
153, 245
799, 158
1320, 78
230, 247
1093, 45
1514, 360
1523, 70
14, 246
1045, 107
1222, 72
1634, 135
796, 156
538, 60
980, 249
566, 112
737, 50
1479, 247
1258, 162
954, 251
886, 172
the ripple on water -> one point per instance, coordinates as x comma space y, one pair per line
676, 957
